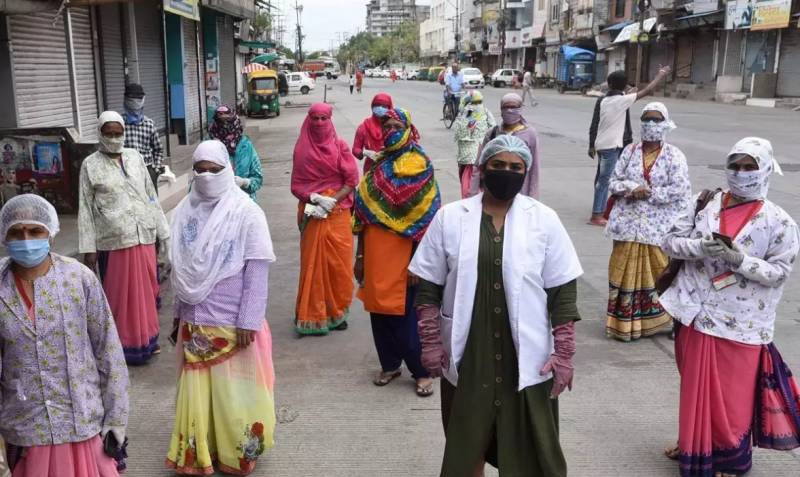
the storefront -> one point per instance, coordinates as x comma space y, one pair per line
789, 65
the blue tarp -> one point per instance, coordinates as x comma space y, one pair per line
572, 53
617, 26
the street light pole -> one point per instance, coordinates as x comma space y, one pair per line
502, 34
642, 6
299, 9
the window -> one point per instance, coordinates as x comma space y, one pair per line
619, 8
295, 77
264, 83
554, 11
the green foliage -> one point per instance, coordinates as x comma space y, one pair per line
402, 45
261, 24
285, 52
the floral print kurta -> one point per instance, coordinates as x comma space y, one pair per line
118, 205
63, 377
744, 312
647, 221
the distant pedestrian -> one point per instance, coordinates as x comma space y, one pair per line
497, 310
527, 88
610, 131
735, 390
352, 83
119, 221
650, 188
224, 410
470, 127
393, 75
141, 132
359, 80
369, 134
227, 127
64, 379
324, 175
395, 202
515, 124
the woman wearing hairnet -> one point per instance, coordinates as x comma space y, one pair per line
735, 391
64, 380
497, 304
649, 188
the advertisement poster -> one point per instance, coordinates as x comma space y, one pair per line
738, 14
47, 158
770, 14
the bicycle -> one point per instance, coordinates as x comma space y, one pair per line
449, 109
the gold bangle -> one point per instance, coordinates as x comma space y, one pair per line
359, 256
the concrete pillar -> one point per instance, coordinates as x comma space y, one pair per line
73, 77
133, 51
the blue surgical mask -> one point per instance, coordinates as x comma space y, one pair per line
379, 111
28, 253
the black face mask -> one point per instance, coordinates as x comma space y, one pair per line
503, 185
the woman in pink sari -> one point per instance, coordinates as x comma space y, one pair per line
324, 174
736, 390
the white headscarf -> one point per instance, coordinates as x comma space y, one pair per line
214, 232
661, 108
752, 185
110, 145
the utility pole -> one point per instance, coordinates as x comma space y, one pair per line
642, 5
502, 34
299, 9
458, 29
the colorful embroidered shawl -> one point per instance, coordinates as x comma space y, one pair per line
399, 192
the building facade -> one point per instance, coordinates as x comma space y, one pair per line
384, 16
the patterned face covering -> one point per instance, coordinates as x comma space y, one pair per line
654, 132
752, 185
227, 128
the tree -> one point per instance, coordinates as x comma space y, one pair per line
315, 55
286, 52
262, 25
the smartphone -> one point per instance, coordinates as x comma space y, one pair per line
723, 238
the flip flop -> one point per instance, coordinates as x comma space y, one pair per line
385, 378
425, 391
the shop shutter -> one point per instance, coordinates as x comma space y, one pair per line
41, 74
730, 62
151, 62
789, 65
191, 86
683, 64
662, 53
703, 57
112, 55
227, 62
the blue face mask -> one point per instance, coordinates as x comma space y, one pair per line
380, 111
28, 253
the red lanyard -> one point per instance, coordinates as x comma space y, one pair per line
25, 298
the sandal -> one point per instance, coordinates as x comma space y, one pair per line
672, 452
385, 378
342, 326
425, 391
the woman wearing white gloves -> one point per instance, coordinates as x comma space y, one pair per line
736, 390
64, 383
324, 174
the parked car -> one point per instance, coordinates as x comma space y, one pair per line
369, 73
412, 74
473, 78
504, 77
385, 74
300, 81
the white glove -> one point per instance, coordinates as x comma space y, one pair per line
118, 431
316, 211
327, 203
710, 247
241, 182
370, 154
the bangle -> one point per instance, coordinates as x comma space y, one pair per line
359, 256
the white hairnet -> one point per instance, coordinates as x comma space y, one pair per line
212, 150
28, 209
506, 143
760, 150
661, 108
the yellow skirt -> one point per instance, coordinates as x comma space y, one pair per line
225, 413
633, 307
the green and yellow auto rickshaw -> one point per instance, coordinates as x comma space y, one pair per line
262, 93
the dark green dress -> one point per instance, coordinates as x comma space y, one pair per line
485, 417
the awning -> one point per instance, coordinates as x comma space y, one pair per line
265, 58
246, 69
633, 29
257, 44
618, 26
699, 15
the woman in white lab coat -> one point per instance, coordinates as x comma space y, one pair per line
736, 390
497, 305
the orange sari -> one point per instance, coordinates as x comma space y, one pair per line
326, 272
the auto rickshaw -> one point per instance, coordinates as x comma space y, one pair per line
262, 93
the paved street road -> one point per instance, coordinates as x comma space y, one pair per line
623, 408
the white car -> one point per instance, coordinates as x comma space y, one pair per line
369, 73
504, 77
473, 78
300, 81
412, 74
385, 74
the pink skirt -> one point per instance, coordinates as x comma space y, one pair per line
131, 286
79, 459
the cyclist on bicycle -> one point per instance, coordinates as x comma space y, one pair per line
453, 86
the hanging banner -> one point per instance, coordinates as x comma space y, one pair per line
771, 14
738, 14
185, 8
705, 6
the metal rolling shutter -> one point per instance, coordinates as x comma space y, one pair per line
703, 57
112, 54
227, 63
39, 56
191, 86
151, 64
84, 67
789, 65
731, 56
